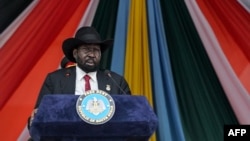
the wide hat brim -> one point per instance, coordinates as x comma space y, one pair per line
71, 43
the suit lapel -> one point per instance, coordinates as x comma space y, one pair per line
103, 81
68, 81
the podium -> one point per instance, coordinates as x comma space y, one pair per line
57, 120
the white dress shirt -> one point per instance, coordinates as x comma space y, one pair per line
80, 82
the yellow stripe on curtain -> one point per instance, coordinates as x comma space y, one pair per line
137, 62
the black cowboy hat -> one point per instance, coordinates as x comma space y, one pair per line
85, 35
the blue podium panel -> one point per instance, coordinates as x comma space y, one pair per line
57, 119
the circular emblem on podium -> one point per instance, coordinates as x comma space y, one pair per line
95, 107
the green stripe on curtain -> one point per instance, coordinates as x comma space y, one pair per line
104, 22
202, 101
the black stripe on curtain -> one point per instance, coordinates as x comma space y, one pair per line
10, 10
104, 22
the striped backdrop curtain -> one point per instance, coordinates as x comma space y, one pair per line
204, 107
190, 59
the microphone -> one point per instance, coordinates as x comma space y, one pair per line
107, 72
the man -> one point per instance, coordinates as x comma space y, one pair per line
85, 49
65, 63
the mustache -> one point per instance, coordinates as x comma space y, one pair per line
90, 59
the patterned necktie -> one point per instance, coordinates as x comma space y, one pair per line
87, 84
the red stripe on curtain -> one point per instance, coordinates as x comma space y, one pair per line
14, 114
230, 22
22, 51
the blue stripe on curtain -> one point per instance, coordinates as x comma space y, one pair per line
163, 86
118, 55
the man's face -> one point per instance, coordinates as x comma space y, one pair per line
88, 57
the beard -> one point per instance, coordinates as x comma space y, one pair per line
87, 68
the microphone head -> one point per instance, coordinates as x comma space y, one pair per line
107, 72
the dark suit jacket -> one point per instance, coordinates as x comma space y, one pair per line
62, 81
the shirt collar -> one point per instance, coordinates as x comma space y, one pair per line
80, 73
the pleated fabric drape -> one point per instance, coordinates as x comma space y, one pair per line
164, 93
22, 50
137, 64
21, 103
104, 21
231, 30
119, 47
204, 107
8, 15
